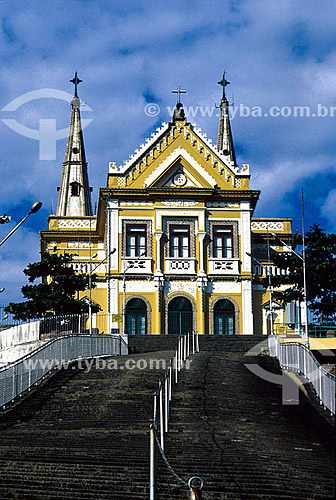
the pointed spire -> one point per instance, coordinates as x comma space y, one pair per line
74, 197
224, 140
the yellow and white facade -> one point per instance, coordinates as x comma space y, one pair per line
173, 234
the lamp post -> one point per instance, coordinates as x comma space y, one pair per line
124, 291
269, 281
2, 290
303, 259
34, 208
90, 283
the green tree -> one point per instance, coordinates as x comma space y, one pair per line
320, 272
58, 296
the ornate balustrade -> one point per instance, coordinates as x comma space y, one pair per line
223, 266
180, 265
137, 266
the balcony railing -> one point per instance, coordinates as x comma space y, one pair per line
137, 266
180, 265
223, 266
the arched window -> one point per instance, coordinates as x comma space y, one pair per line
179, 316
136, 317
75, 188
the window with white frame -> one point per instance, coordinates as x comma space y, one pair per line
179, 241
223, 242
136, 238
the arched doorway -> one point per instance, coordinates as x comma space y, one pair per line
136, 317
224, 317
180, 316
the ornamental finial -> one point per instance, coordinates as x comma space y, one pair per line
76, 81
179, 92
223, 83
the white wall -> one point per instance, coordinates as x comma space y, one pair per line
20, 334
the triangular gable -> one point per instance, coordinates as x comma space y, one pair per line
180, 161
203, 164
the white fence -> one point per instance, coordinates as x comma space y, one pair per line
296, 356
187, 344
61, 325
21, 375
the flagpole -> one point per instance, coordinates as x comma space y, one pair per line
304, 274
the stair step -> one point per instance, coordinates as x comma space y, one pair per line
85, 435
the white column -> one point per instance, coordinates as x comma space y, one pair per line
158, 236
113, 303
113, 236
245, 235
247, 307
111, 242
201, 237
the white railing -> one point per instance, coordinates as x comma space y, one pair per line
187, 344
137, 266
181, 265
20, 376
72, 324
296, 356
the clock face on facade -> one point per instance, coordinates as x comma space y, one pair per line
179, 179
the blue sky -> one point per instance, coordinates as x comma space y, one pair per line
132, 53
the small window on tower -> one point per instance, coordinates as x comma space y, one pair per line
75, 188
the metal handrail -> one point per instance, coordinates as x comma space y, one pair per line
71, 324
20, 375
296, 356
161, 408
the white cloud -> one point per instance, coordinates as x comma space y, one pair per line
329, 210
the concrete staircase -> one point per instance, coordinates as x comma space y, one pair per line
85, 435
82, 436
230, 428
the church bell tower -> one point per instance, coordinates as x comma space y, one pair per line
74, 197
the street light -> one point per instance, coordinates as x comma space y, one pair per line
124, 291
34, 208
2, 290
303, 258
90, 273
269, 281
4, 219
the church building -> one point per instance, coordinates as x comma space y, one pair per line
174, 233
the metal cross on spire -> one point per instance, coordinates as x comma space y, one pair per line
76, 81
223, 82
179, 92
